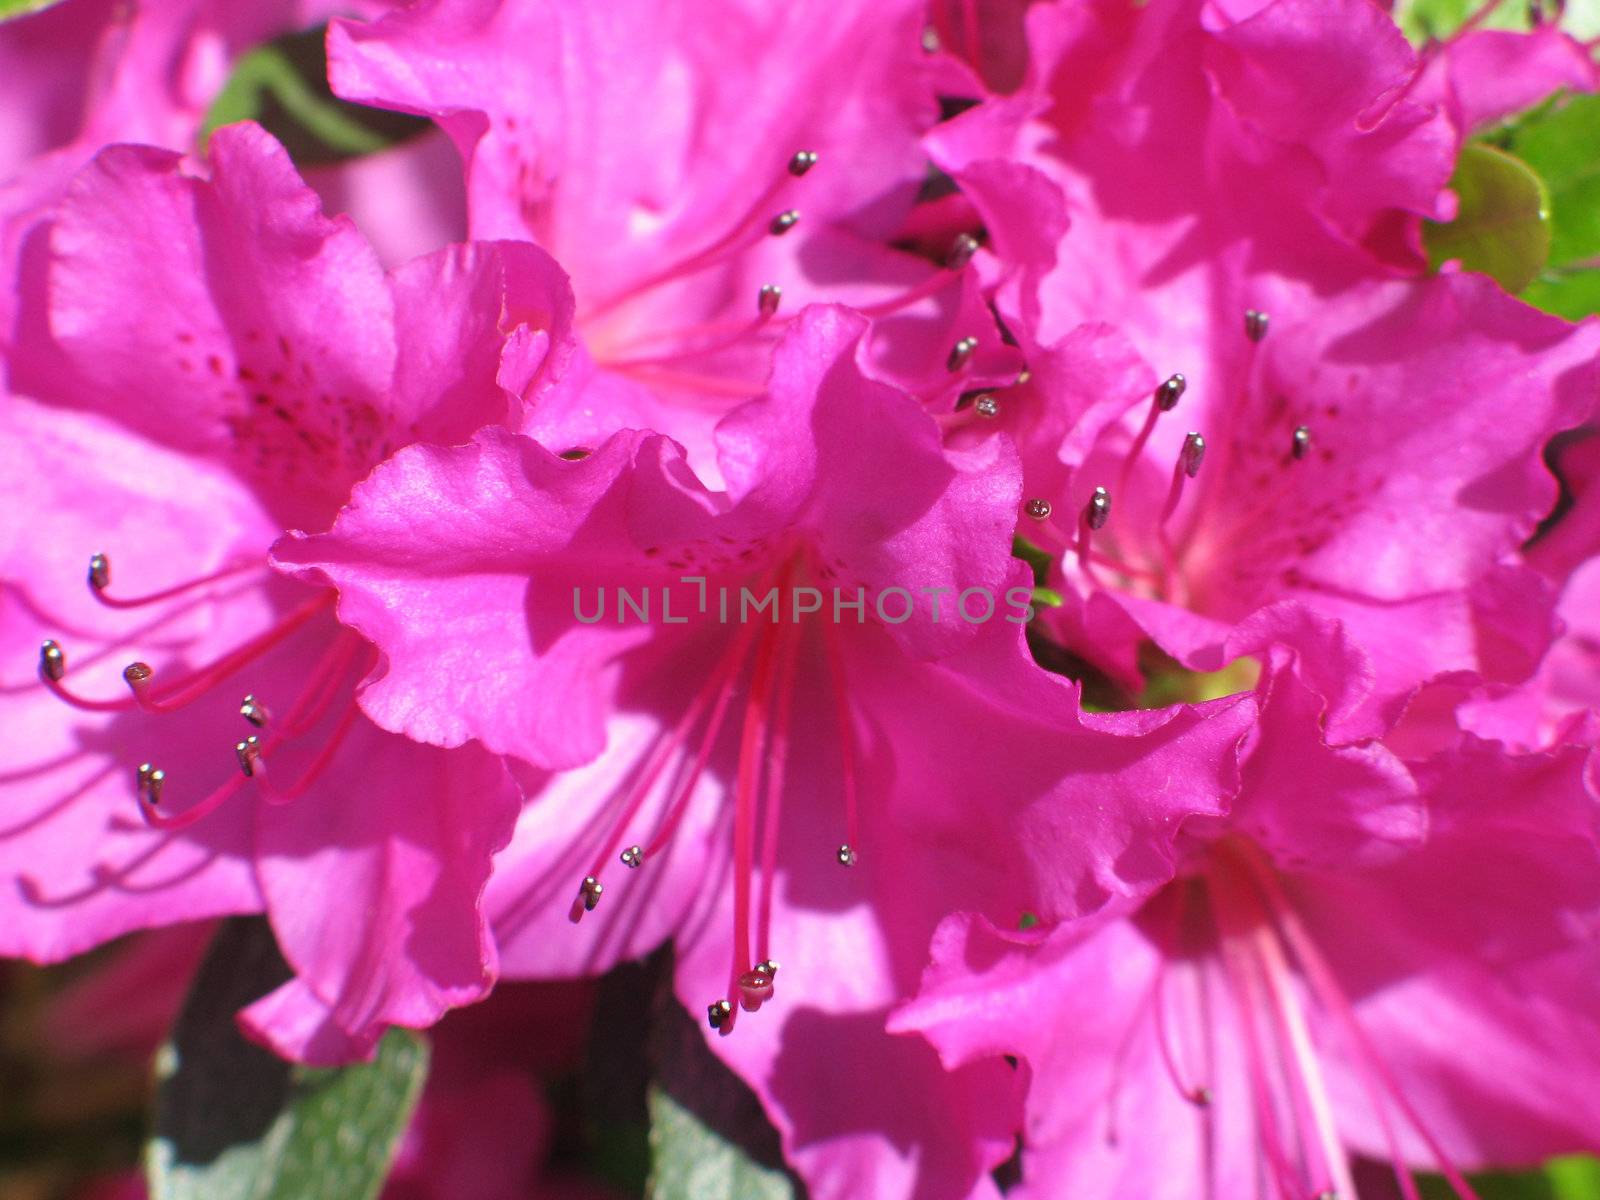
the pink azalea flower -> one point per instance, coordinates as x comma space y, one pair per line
1363, 445
815, 787
1353, 963
699, 185
210, 362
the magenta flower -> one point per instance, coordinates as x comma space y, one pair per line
211, 362
699, 185
805, 784
1353, 963
1358, 444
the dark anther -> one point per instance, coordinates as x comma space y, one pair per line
1098, 510
1301, 445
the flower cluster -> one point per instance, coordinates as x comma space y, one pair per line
976, 523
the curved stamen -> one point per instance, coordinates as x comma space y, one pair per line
717, 684
767, 301
777, 767
1093, 518
746, 231
1186, 468
53, 668
100, 580
150, 783
961, 354
1167, 394
188, 688
845, 724
752, 746
1320, 976
961, 252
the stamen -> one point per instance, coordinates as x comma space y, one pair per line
720, 686
1300, 444
248, 752
53, 668
1319, 975
255, 712
632, 857
767, 300
1187, 467
589, 892
986, 406
957, 257
1170, 391
847, 742
720, 1015
280, 796
151, 779
962, 248
752, 744
1165, 399
745, 232
1255, 324
1309, 1071
961, 354
1039, 509
1240, 974
777, 772
52, 662
100, 580
755, 989
186, 689
1098, 511
1094, 517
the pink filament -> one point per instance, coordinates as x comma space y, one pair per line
847, 744
752, 742
191, 687
177, 589
777, 766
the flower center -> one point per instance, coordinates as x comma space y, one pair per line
687, 355
764, 650
1229, 932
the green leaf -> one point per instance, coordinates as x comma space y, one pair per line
10, 9
1576, 1177
709, 1138
1571, 293
283, 85
691, 1161
1038, 558
1425, 20
1560, 142
235, 1122
1502, 226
